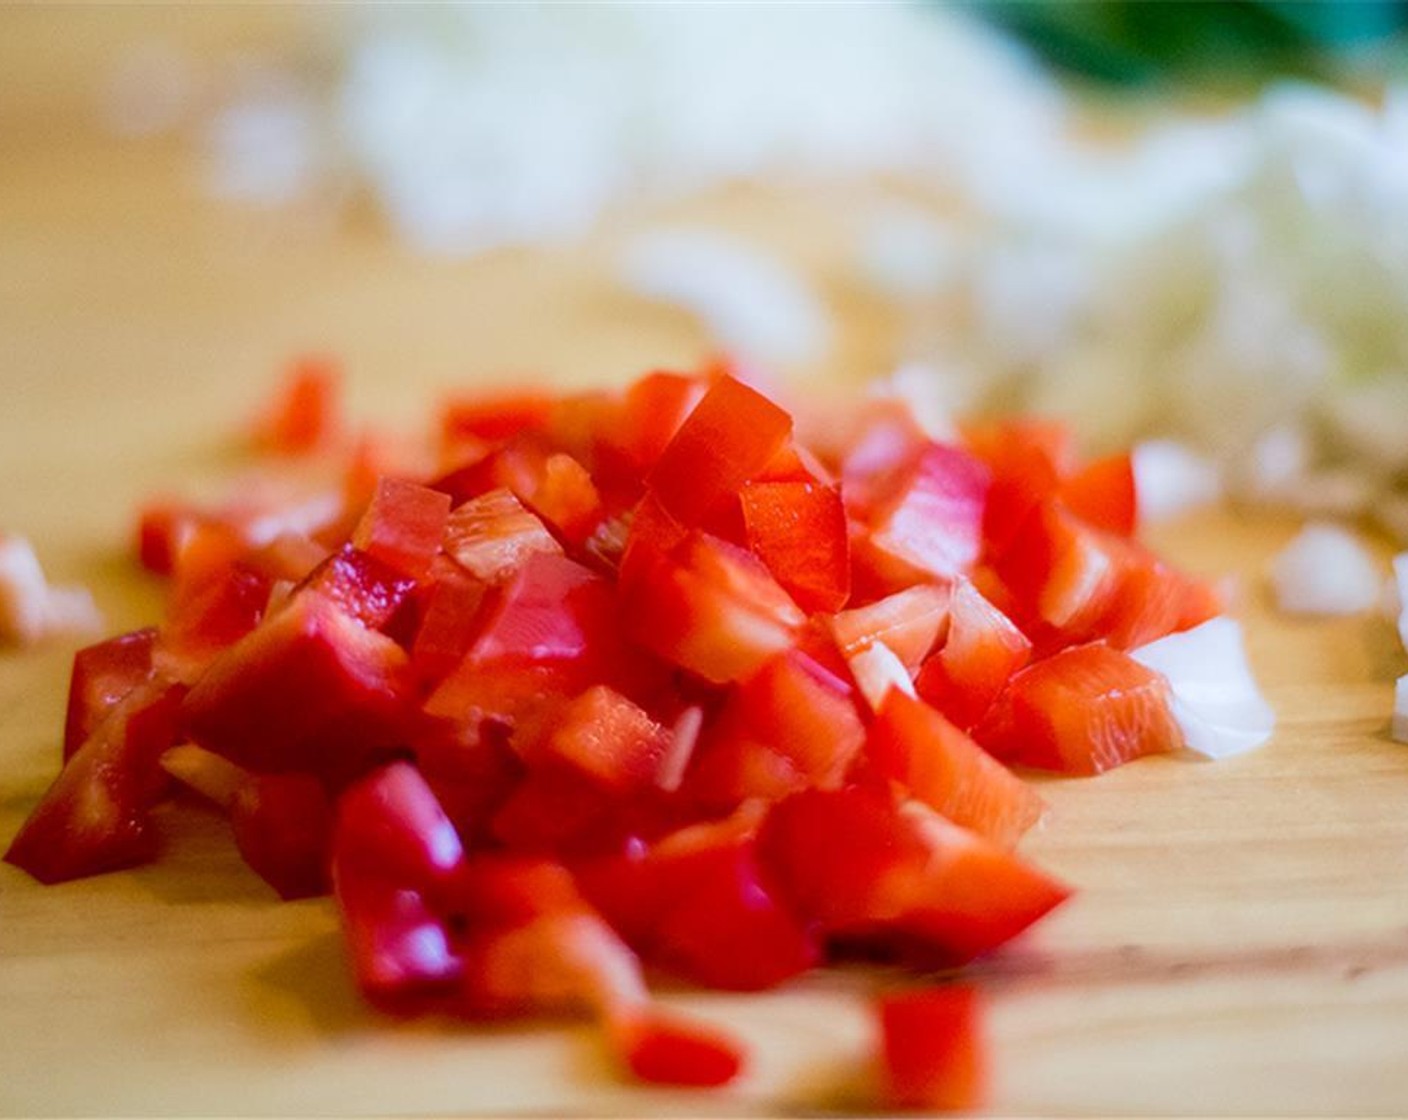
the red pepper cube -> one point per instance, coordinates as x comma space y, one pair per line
102, 675
492, 535
648, 416
207, 612
282, 825
983, 650
1063, 574
909, 622
789, 726
563, 494
361, 586
306, 412
1083, 710
798, 529
608, 739
399, 947
94, 817
709, 607
163, 529
448, 621
862, 866
662, 1049
730, 436
403, 526
495, 417
932, 1054
949, 772
311, 690
933, 523
1028, 460
721, 927
1103, 494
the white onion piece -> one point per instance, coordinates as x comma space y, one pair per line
31, 610
684, 737
24, 593
920, 388
1215, 699
1171, 479
877, 669
71, 610
748, 301
1325, 570
1398, 728
1400, 579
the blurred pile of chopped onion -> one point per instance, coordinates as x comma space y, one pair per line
1236, 280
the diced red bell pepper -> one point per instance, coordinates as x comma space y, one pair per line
564, 495
1083, 710
909, 622
934, 520
397, 868
798, 529
206, 613
709, 607
399, 947
1028, 459
311, 690
163, 528
732, 434
663, 1049
306, 413
1063, 574
495, 417
932, 1051
552, 610
391, 827
102, 675
726, 930
95, 815
862, 866
983, 650
1103, 494
282, 825
448, 622
403, 526
652, 411
789, 725
949, 772
608, 739
492, 535
888, 442
361, 586
533, 946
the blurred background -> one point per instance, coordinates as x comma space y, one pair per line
1177, 219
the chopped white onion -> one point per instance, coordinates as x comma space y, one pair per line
877, 669
750, 302
24, 593
1215, 699
71, 610
684, 737
920, 388
1398, 727
1171, 479
31, 610
1325, 570
1400, 580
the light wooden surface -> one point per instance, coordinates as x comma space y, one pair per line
1240, 940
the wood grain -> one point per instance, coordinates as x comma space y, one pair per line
1240, 940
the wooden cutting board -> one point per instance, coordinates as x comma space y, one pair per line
1239, 943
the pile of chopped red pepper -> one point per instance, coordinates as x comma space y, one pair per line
637, 678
